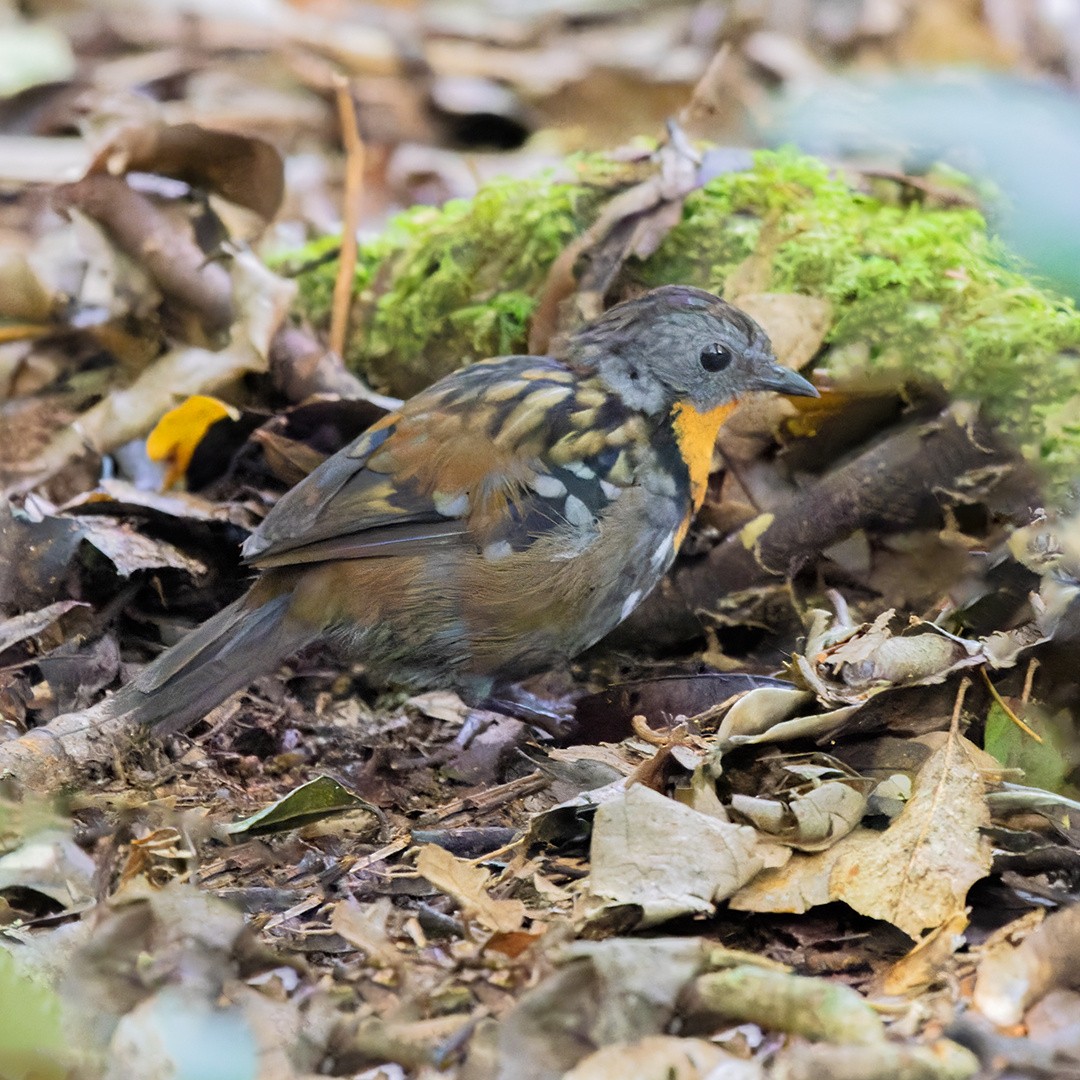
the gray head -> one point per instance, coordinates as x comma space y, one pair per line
678, 343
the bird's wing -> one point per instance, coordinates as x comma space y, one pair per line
493, 456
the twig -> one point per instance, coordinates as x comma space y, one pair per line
377, 856
1006, 710
493, 797
354, 186
1029, 679
958, 707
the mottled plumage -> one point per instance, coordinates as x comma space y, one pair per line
500, 522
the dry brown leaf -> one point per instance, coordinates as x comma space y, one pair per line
241, 168
810, 816
364, 925
262, 298
667, 859
926, 962
1011, 978
663, 1057
468, 885
797, 886
916, 874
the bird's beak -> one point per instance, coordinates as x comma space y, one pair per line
783, 380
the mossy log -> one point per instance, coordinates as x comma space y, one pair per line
917, 288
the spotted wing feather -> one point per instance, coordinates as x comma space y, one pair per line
494, 457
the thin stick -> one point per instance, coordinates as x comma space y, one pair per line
1005, 708
1029, 679
354, 186
958, 706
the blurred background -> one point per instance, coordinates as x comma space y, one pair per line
450, 92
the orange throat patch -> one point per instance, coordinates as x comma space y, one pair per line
695, 433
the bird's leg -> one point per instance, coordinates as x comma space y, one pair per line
553, 718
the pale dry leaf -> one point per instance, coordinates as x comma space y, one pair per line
809, 820
262, 301
663, 1057
50, 863
927, 962
916, 874
602, 993
815, 1008
797, 886
365, 926
760, 709
667, 859
468, 885
33, 623
813, 726
1011, 978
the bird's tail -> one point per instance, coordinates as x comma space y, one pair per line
226, 653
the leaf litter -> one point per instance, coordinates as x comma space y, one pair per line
326, 880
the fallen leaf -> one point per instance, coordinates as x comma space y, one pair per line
779, 1001
50, 863
365, 926
603, 993
663, 1057
241, 168
667, 859
928, 961
317, 799
916, 874
468, 885
1011, 978
33, 623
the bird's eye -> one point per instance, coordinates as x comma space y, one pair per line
715, 357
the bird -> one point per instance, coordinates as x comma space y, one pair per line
494, 526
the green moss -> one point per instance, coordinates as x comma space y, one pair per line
441, 288
923, 292
915, 289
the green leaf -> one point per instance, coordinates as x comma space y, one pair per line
1044, 764
32, 1043
317, 799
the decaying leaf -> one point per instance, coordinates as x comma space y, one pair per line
916, 873
602, 994
822, 803
759, 710
665, 859
50, 863
849, 665
468, 884
262, 300
33, 624
364, 926
663, 1057
942, 1059
1011, 977
814, 1008
928, 960
245, 170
